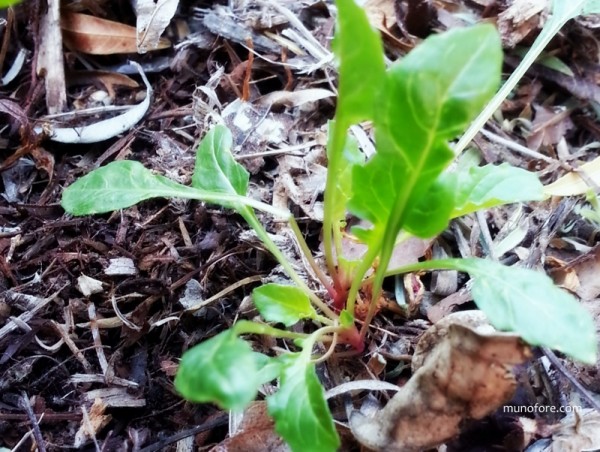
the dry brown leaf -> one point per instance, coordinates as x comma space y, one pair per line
581, 274
549, 127
255, 433
461, 371
89, 34
572, 184
579, 431
152, 19
381, 13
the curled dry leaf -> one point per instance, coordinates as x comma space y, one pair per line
152, 19
461, 371
89, 34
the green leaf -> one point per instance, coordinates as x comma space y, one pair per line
342, 188
362, 67
431, 95
223, 370
268, 368
564, 10
432, 213
7, 3
591, 7
528, 303
482, 187
301, 414
284, 304
468, 190
346, 319
216, 170
118, 185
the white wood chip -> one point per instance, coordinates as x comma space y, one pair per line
120, 266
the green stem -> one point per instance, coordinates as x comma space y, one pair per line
309, 257
334, 155
262, 234
310, 341
248, 327
437, 264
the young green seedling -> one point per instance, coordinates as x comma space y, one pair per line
416, 106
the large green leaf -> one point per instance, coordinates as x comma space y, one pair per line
118, 185
360, 51
223, 370
284, 304
301, 415
430, 97
528, 303
216, 170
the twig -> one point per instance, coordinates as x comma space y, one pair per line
37, 434
217, 422
572, 380
515, 146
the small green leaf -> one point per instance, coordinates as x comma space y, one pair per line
346, 319
216, 170
528, 303
482, 187
301, 414
362, 66
223, 370
268, 368
119, 185
284, 304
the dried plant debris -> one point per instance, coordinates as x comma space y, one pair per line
462, 370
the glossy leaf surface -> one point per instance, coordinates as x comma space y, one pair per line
281, 303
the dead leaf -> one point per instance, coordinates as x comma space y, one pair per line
461, 371
152, 19
89, 34
253, 433
579, 431
381, 13
295, 98
549, 127
572, 184
581, 274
